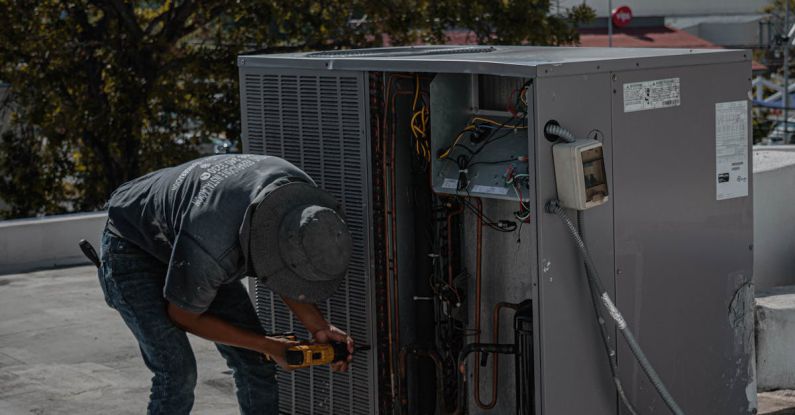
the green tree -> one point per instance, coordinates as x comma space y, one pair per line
103, 91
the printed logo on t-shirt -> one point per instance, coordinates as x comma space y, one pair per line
216, 170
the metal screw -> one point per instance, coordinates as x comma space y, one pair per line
619, 271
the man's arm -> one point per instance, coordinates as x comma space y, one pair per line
321, 330
217, 330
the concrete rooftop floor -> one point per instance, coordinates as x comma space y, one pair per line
63, 351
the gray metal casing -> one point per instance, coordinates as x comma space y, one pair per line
317, 122
677, 261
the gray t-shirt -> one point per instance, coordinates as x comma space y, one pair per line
191, 216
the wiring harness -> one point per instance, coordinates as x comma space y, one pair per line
419, 124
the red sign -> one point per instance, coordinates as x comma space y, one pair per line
621, 16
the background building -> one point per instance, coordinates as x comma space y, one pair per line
726, 23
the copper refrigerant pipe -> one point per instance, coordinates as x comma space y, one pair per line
495, 364
389, 211
437, 361
384, 169
478, 278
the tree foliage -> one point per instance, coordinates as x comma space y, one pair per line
103, 91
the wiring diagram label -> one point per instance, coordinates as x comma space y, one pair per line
731, 149
490, 190
450, 184
649, 95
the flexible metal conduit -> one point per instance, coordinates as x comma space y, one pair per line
556, 130
600, 320
553, 207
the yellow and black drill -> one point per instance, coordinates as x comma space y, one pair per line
317, 354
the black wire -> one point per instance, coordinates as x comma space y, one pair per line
463, 178
493, 162
511, 225
488, 141
491, 140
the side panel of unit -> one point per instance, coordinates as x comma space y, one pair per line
573, 370
684, 258
318, 121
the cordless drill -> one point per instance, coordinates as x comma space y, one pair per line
317, 354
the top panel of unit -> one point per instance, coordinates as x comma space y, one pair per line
501, 60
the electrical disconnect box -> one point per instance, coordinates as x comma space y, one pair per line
580, 174
480, 183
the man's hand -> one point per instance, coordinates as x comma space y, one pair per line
278, 350
321, 330
330, 334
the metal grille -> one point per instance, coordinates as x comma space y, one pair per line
318, 123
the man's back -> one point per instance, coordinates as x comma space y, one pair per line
189, 217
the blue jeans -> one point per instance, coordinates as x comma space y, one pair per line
132, 282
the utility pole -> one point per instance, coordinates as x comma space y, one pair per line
610, 22
786, 71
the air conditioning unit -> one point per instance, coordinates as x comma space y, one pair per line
446, 159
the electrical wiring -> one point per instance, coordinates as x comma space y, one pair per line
513, 179
504, 226
418, 125
500, 125
458, 138
517, 101
484, 122
510, 160
489, 141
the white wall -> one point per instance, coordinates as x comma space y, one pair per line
671, 7
28, 244
774, 216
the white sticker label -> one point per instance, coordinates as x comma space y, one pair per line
649, 95
490, 190
731, 149
450, 184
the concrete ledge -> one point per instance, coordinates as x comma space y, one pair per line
37, 243
775, 337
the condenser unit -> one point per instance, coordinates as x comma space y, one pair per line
457, 167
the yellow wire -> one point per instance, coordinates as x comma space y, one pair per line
497, 123
424, 118
457, 139
413, 123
